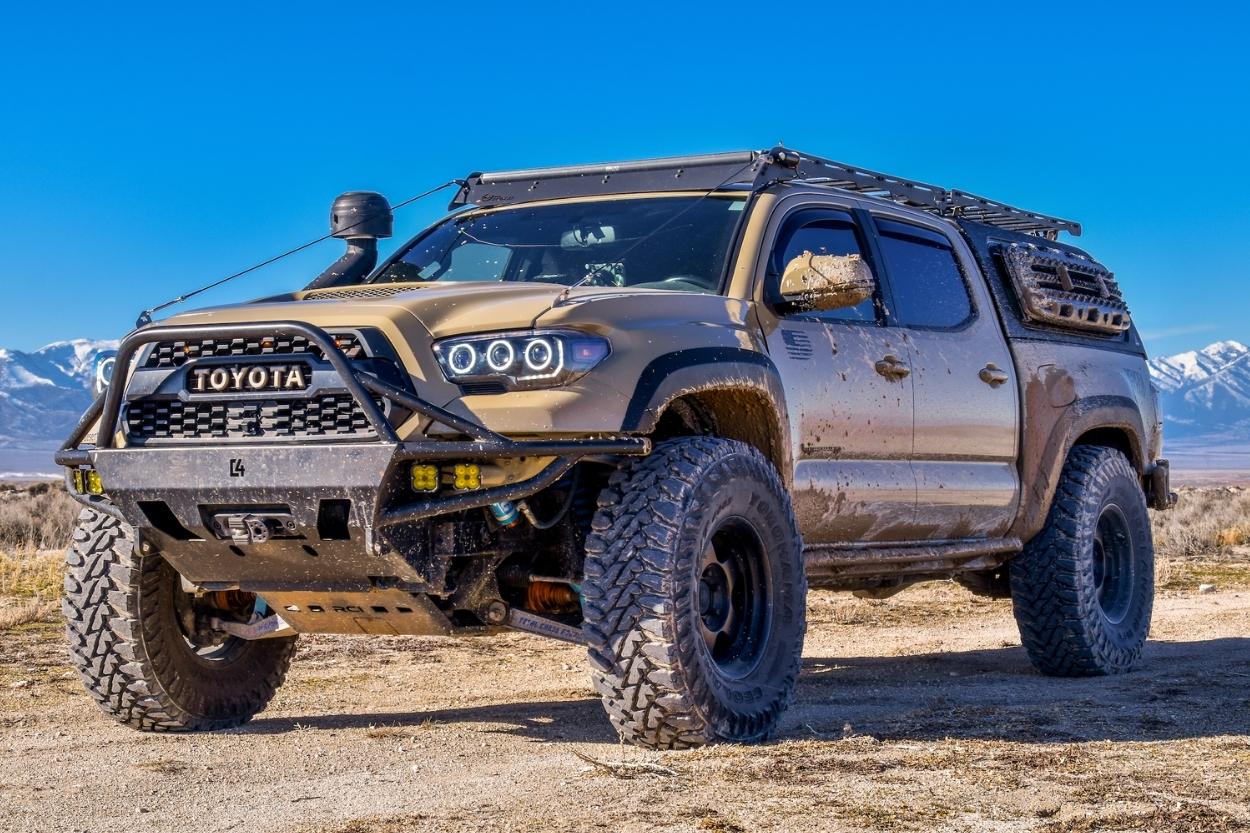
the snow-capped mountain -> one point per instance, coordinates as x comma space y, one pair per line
1205, 395
43, 393
1205, 392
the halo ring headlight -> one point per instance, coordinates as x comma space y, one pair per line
498, 348
539, 354
527, 360
461, 359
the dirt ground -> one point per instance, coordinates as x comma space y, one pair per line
920, 712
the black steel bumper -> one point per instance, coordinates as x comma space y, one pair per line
302, 474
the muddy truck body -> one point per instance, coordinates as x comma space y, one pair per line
640, 407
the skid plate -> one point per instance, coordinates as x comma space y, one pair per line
378, 612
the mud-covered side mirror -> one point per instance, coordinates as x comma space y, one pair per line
825, 282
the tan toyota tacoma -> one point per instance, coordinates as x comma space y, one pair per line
640, 407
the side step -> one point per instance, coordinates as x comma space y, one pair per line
855, 566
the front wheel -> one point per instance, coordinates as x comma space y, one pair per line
1083, 589
694, 596
142, 644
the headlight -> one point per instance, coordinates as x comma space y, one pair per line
521, 361
104, 362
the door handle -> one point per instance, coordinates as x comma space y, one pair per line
993, 376
891, 368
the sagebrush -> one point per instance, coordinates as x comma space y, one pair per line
35, 526
38, 517
1208, 523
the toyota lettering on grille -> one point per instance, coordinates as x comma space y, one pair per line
248, 378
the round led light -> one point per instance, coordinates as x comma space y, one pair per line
500, 355
461, 359
539, 355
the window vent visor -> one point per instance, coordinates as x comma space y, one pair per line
1064, 290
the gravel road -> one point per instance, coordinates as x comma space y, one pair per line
915, 713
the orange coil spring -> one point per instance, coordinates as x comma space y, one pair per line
550, 597
233, 601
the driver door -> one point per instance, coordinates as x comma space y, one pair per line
846, 379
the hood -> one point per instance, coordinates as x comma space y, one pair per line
447, 310
451, 308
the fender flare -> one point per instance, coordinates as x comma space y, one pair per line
703, 369
1043, 459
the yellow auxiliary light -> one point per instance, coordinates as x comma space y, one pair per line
88, 481
468, 476
79, 486
424, 477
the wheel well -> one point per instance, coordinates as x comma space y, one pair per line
736, 414
1116, 438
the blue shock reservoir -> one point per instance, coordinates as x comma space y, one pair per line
505, 513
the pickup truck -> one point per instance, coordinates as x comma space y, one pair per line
641, 407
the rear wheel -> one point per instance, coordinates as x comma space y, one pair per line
1083, 589
143, 645
694, 596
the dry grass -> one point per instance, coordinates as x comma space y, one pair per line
35, 525
30, 587
1204, 540
26, 612
1181, 817
1207, 523
37, 517
30, 574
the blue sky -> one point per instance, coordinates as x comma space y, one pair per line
147, 151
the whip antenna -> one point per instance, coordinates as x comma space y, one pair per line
145, 317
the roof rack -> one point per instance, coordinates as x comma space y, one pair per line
756, 169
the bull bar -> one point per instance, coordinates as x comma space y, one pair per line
482, 443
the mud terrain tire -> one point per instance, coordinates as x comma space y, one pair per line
694, 596
126, 642
1083, 589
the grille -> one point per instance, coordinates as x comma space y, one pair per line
326, 415
177, 353
357, 292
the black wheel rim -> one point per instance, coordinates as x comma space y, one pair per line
1113, 563
731, 597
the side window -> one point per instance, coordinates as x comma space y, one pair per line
820, 232
929, 287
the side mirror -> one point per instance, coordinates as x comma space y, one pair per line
825, 282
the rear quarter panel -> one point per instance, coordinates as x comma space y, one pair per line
1066, 391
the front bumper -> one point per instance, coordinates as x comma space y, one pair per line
333, 497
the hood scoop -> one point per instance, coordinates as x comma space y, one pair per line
367, 291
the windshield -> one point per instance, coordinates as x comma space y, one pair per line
676, 243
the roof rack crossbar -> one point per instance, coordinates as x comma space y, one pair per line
934, 198
756, 169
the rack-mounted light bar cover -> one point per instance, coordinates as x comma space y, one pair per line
754, 169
